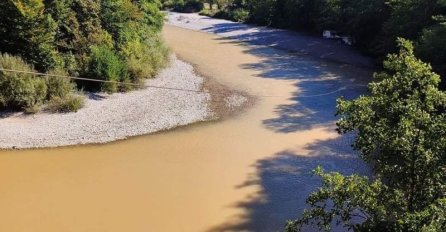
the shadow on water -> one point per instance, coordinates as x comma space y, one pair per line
260, 35
318, 85
286, 180
308, 112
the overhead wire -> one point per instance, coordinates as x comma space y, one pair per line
167, 88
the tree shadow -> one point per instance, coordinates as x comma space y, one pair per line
7, 113
313, 106
95, 96
307, 113
226, 27
286, 180
318, 85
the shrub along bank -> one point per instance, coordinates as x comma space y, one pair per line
184, 6
28, 92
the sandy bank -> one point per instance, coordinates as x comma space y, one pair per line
107, 118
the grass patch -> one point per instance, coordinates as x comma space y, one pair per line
67, 104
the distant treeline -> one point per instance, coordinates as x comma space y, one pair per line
115, 40
374, 24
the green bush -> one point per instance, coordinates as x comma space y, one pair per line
233, 14
59, 86
185, 6
207, 12
2, 101
144, 58
32, 109
69, 103
105, 64
168, 4
29, 92
135, 27
192, 6
432, 41
152, 16
240, 15
20, 90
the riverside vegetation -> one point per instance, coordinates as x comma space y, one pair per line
100, 39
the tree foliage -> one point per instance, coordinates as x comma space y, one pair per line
103, 39
401, 133
185, 6
359, 204
432, 41
26, 30
27, 91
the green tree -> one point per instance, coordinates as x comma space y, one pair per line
401, 133
135, 27
407, 19
361, 19
358, 204
431, 46
20, 90
262, 11
78, 28
106, 65
27, 31
152, 16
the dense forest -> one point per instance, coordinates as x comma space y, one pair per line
107, 40
373, 24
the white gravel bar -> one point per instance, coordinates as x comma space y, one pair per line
107, 118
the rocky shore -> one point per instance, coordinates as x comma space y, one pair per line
181, 100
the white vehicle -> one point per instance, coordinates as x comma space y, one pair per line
330, 35
334, 35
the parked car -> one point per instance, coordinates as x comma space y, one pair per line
327, 34
330, 35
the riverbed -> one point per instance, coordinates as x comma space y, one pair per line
249, 172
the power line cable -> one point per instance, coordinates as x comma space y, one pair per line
170, 88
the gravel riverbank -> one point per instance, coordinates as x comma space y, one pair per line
107, 118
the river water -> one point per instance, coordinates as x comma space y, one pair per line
249, 172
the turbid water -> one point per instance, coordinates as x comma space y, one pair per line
249, 172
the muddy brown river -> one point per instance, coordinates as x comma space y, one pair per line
250, 172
